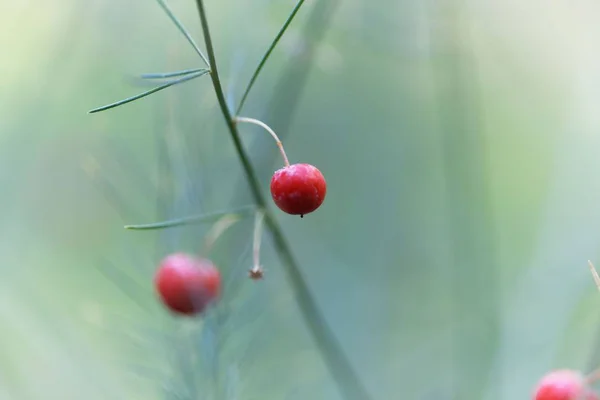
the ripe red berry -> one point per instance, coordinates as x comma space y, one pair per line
298, 189
186, 284
563, 385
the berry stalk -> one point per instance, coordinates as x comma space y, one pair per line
256, 272
594, 274
271, 132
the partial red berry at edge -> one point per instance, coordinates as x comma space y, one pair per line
563, 385
186, 284
298, 189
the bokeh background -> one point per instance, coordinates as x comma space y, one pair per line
460, 143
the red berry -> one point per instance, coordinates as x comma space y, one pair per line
186, 284
563, 385
298, 189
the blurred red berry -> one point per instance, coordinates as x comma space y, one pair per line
186, 284
563, 385
298, 189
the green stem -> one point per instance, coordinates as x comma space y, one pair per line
267, 54
342, 371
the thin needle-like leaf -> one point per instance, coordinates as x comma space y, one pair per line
195, 219
149, 92
268, 53
163, 75
182, 29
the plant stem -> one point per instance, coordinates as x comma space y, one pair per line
271, 132
346, 378
267, 54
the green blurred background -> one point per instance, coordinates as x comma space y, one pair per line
459, 141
